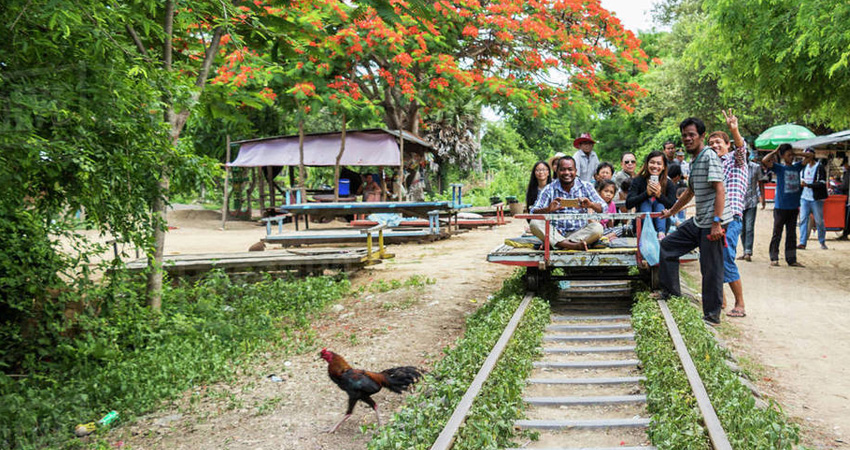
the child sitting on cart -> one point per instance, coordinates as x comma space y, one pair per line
568, 195
607, 190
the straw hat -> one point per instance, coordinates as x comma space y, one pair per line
552, 160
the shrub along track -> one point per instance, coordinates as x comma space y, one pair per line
592, 386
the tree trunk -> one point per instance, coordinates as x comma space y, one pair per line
338, 158
176, 121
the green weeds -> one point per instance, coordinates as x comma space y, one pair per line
490, 423
129, 359
676, 419
416, 281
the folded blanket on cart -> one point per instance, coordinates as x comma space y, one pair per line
531, 242
526, 241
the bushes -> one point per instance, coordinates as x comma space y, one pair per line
676, 419
490, 422
129, 359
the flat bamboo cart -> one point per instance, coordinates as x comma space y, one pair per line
312, 261
594, 264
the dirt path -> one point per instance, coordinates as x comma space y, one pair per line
796, 336
372, 330
795, 339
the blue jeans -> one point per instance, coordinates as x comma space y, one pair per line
651, 205
815, 207
730, 269
748, 229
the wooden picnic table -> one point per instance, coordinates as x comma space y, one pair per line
329, 198
415, 209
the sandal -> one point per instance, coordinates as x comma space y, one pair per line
735, 312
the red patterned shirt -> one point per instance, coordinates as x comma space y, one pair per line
736, 179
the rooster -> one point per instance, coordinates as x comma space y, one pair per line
361, 384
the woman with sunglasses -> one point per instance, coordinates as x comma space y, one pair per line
628, 162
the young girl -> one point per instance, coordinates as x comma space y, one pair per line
607, 190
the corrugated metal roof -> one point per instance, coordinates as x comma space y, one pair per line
408, 136
825, 141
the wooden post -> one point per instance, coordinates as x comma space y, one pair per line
383, 184
269, 172
301, 173
338, 158
225, 206
262, 178
401, 162
249, 195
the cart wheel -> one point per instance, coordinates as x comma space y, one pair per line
532, 279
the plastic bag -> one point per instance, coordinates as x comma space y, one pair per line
388, 219
650, 247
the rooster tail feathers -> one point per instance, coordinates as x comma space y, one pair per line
398, 379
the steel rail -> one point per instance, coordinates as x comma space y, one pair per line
446, 438
716, 434
586, 216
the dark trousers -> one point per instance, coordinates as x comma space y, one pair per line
686, 238
748, 230
784, 218
846, 221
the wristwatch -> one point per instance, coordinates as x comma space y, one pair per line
717, 219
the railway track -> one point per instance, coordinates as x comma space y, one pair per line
585, 392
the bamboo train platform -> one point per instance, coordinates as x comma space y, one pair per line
307, 261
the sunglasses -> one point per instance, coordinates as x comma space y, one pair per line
629, 162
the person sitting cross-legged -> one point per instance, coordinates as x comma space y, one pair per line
568, 234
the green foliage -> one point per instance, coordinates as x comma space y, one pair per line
676, 421
416, 281
127, 358
795, 52
507, 159
490, 423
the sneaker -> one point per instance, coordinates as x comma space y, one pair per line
824, 247
801, 247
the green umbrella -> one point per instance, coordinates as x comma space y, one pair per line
782, 134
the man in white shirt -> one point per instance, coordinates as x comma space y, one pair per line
585, 158
686, 166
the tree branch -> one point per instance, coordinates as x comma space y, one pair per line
209, 56
168, 26
179, 120
136, 40
23, 10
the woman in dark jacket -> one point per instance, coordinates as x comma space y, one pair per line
541, 175
652, 191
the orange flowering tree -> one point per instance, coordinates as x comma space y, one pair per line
529, 54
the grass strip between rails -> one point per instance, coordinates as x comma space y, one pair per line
129, 359
490, 422
676, 419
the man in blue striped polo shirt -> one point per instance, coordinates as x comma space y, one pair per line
568, 234
705, 230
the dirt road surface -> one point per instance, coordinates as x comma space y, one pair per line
796, 336
795, 339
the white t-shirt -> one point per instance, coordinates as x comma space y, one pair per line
809, 173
